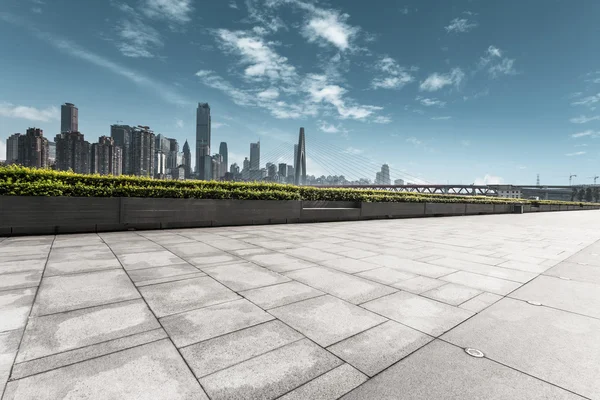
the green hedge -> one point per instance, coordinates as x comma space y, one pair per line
21, 181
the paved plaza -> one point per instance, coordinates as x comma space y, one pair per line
354, 310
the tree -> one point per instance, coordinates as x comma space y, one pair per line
573, 194
581, 194
588, 195
596, 194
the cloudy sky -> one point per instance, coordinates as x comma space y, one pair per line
452, 91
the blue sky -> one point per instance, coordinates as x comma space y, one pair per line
444, 91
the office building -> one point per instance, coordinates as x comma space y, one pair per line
255, 156
12, 148
187, 161
160, 165
142, 151
51, 153
203, 141
224, 158
383, 177
399, 182
271, 170
178, 173
33, 149
106, 157
72, 152
282, 170
246, 169
69, 118
234, 169
216, 167
122, 137
173, 155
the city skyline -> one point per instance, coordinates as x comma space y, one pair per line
473, 102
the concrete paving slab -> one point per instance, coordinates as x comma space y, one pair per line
484, 269
279, 262
557, 346
442, 371
419, 284
405, 264
375, 349
208, 322
151, 371
326, 319
170, 279
281, 294
482, 282
190, 250
452, 294
574, 296
9, 344
308, 254
478, 303
71, 260
524, 266
578, 272
213, 355
289, 367
72, 292
431, 317
387, 276
212, 259
329, 386
244, 276
350, 288
133, 261
147, 274
178, 296
18, 280
121, 248
358, 253
348, 265
15, 306
33, 265
60, 332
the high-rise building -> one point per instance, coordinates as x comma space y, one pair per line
69, 118
300, 160
246, 169
255, 156
51, 153
142, 151
203, 141
295, 156
106, 157
282, 170
33, 149
271, 170
399, 182
122, 137
72, 152
224, 158
216, 167
187, 161
378, 178
162, 148
234, 169
172, 156
12, 148
383, 177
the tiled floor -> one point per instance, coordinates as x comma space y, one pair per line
360, 310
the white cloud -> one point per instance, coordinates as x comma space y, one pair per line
581, 145
495, 64
179, 123
395, 76
577, 153
380, 119
493, 51
582, 119
404, 10
413, 140
437, 81
445, 117
176, 11
30, 113
328, 128
138, 38
460, 25
270, 93
233, 4
353, 151
587, 101
37, 10
521, 167
2, 150
505, 67
217, 125
489, 180
327, 27
430, 102
588, 133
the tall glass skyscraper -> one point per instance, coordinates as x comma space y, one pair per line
203, 159
69, 118
224, 158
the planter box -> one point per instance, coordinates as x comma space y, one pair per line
443, 209
392, 210
503, 208
330, 204
479, 209
329, 214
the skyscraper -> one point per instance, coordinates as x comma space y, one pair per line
51, 153
142, 151
12, 148
162, 148
69, 118
33, 149
282, 170
224, 156
72, 152
246, 169
383, 177
122, 137
203, 141
106, 157
300, 160
187, 160
173, 153
255, 156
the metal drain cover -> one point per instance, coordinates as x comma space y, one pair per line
534, 303
474, 352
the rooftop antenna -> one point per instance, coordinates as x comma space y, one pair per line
571, 178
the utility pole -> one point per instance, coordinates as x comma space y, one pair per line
571, 179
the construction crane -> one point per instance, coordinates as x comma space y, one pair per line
571, 178
595, 178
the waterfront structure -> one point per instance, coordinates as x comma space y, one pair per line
32, 149
69, 118
106, 157
300, 160
122, 137
187, 161
203, 159
142, 151
12, 148
72, 152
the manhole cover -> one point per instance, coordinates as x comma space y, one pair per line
534, 303
474, 352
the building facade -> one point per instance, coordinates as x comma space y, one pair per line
254, 157
122, 137
33, 149
72, 152
187, 161
203, 142
224, 158
69, 118
106, 157
12, 148
142, 151
173, 156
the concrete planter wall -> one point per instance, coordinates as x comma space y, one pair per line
50, 215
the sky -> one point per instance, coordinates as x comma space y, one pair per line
442, 91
